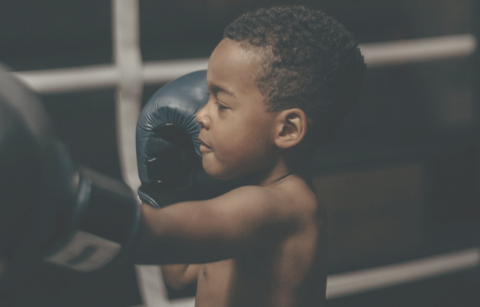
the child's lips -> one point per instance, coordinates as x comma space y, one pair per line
204, 148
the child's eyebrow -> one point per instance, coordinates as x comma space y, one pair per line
217, 88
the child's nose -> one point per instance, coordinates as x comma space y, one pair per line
202, 117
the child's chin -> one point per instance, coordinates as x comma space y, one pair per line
220, 176
218, 173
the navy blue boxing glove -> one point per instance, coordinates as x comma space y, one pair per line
167, 141
168, 155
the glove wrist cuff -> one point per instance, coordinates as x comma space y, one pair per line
164, 198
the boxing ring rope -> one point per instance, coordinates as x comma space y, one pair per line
128, 75
339, 285
157, 72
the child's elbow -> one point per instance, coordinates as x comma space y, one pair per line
178, 283
180, 276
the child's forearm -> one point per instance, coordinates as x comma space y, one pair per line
179, 276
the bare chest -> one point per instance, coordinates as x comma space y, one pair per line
215, 283
278, 276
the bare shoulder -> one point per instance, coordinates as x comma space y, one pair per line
254, 200
295, 193
286, 200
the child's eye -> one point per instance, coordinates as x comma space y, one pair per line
220, 106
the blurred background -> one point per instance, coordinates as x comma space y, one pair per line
400, 178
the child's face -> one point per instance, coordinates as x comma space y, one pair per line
238, 132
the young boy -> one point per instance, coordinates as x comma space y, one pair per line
280, 82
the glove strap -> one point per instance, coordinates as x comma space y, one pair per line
101, 228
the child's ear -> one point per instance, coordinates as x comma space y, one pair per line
292, 128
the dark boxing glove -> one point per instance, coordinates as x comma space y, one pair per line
168, 155
167, 140
50, 208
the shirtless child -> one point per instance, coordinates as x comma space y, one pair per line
280, 82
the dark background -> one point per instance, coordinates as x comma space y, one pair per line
400, 177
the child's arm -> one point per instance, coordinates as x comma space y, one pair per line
179, 276
242, 220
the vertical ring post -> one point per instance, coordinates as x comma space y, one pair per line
128, 61
475, 84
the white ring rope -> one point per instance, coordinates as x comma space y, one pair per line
400, 273
376, 55
418, 50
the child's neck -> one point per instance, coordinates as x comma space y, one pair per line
283, 167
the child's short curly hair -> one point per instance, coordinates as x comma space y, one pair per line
311, 62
